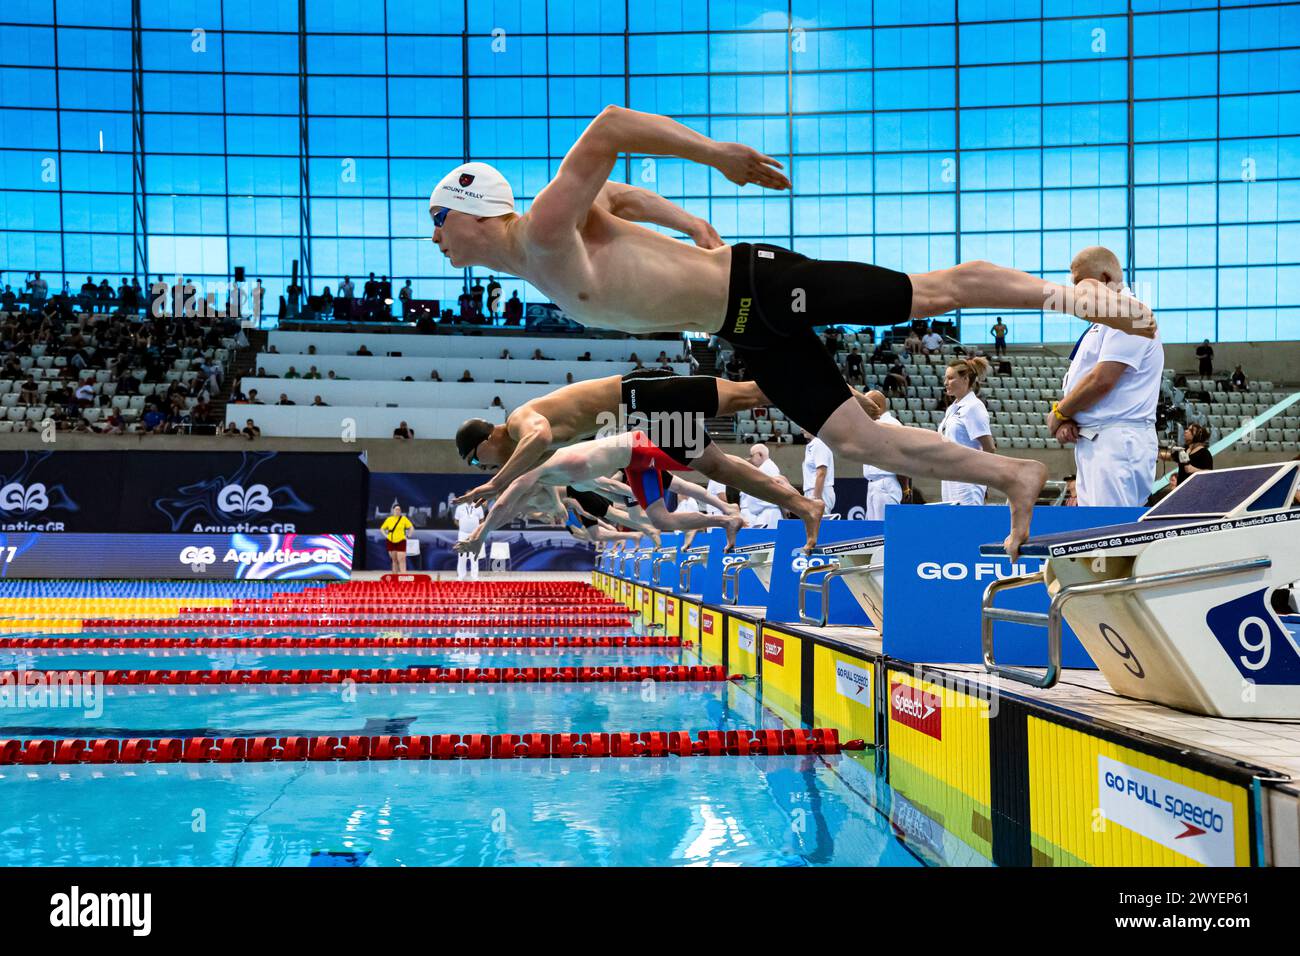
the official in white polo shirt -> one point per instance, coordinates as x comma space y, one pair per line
757, 512
883, 487
468, 517
819, 471
1109, 409
966, 422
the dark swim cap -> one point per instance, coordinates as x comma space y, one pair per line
470, 435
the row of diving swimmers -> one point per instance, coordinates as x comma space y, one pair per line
606, 510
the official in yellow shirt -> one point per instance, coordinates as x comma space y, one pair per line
395, 528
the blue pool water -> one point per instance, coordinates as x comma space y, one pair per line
768, 811
258, 658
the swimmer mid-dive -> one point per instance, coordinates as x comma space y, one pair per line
640, 458
580, 245
676, 406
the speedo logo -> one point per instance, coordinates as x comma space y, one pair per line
742, 316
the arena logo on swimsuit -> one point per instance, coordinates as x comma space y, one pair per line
742, 316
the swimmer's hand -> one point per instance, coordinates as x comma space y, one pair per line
744, 165
705, 236
483, 493
470, 545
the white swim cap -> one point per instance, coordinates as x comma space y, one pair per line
474, 188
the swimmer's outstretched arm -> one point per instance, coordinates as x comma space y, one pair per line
564, 204
532, 431
506, 508
642, 205
613, 489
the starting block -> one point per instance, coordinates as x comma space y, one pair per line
860, 563
754, 557
694, 558
1174, 608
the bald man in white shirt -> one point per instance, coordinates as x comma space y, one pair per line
1109, 406
757, 512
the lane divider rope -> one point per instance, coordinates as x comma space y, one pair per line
115, 642
658, 743
395, 675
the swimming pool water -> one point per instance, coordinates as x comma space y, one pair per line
769, 811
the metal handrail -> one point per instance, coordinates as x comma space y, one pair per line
636, 563
732, 574
697, 557
805, 587
824, 587
658, 562
1055, 613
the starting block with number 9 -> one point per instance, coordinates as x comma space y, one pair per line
1175, 608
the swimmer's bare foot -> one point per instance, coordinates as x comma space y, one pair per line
1026, 482
810, 511
733, 508
733, 524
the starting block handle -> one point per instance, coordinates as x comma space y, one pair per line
806, 587
661, 557
824, 587
684, 572
1054, 617
732, 574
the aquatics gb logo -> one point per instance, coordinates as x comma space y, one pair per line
238, 500
24, 499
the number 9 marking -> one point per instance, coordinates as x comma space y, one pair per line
1125, 653
1264, 647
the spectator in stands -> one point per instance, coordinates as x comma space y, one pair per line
912, 344
86, 301
404, 432
253, 399
493, 298
833, 341
505, 355
250, 430
230, 429
8, 301
336, 378
128, 384
153, 420
28, 394
313, 372
363, 350
1195, 454
292, 373
497, 403
407, 378
38, 289
311, 350
370, 291
568, 378
853, 366
1205, 356
1238, 381
326, 302
318, 402
514, 309
635, 359
347, 292
259, 294
85, 394
539, 357
466, 377
476, 291
663, 359
1000, 337
404, 297
734, 368
103, 296
896, 379
585, 356
114, 424
285, 400
434, 376
932, 343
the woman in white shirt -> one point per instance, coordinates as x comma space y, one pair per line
966, 422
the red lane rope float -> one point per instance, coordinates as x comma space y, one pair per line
90, 643
655, 743
669, 673
319, 621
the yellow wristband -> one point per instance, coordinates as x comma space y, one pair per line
1056, 411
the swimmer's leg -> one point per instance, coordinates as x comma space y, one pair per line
983, 285
921, 453
666, 520
688, 489
742, 475
739, 397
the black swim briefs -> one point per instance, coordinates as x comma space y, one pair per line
775, 299
674, 409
